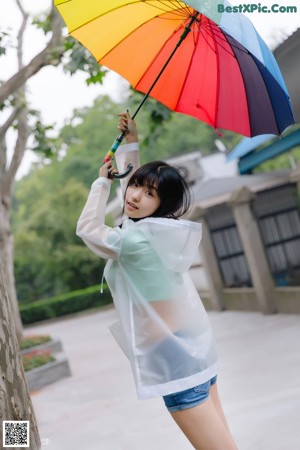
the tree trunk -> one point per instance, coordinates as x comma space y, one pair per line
15, 401
6, 184
6, 255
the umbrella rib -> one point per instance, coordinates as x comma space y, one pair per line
159, 51
181, 26
178, 6
270, 98
207, 29
245, 90
195, 43
217, 31
218, 78
174, 11
213, 33
196, 38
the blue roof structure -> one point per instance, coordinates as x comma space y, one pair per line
251, 156
246, 145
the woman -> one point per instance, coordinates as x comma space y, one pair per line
163, 327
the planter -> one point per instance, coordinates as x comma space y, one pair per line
54, 346
48, 373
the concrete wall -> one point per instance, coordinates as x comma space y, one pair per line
286, 299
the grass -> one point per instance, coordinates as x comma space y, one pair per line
32, 341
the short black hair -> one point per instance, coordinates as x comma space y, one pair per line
172, 189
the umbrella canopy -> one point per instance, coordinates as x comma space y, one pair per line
222, 72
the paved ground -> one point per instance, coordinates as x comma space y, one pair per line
97, 409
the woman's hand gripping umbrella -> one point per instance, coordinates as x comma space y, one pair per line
127, 128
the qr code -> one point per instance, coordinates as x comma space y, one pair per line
15, 433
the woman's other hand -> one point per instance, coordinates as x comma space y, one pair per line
129, 126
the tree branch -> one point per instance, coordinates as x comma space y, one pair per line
3, 149
41, 60
21, 34
20, 111
3, 158
23, 131
9, 121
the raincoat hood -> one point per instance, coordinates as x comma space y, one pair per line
175, 241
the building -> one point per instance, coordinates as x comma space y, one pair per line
250, 251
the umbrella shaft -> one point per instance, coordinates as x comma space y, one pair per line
110, 154
186, 31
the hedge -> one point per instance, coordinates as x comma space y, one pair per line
62, 305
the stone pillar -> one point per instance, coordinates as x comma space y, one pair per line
210, 261
254, 249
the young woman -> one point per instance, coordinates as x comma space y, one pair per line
163, 327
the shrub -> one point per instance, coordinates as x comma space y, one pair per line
62, 305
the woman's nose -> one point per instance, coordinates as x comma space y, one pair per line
136, 195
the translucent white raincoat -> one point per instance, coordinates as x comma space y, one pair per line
163, 327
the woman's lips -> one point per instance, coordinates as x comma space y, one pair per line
131, 206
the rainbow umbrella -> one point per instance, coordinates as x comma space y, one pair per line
196, 58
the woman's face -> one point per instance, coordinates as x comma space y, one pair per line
141, 201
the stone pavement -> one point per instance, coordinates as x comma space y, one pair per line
97, 408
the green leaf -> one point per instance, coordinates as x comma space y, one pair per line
43, 22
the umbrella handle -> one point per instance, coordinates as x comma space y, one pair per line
111, 152
110, 155
124, 174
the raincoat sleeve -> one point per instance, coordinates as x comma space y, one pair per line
128, 153
103, 240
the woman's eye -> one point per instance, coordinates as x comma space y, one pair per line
150, 193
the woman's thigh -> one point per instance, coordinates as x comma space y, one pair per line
217, 402
204, 427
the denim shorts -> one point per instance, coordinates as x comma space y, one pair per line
190, 397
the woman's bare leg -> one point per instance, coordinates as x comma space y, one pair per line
204, 426
216, 400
